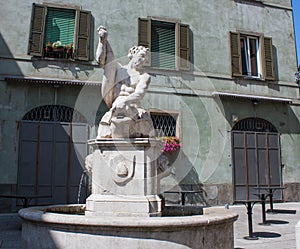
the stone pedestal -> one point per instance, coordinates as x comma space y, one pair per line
124, 177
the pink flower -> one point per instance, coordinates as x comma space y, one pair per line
171, 144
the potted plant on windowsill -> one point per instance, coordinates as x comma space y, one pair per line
57, 46
48, 47
69, 50
58, 50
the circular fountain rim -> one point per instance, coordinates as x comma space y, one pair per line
46, 214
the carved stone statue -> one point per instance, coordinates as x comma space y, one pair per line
124, 171
123, 88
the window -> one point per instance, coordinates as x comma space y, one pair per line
59, 32
165, 124
169, 43
251, 56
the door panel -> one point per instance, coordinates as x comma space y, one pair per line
51, 160
27, 161
256, 162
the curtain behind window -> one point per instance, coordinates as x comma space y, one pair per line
163, 44
60, 26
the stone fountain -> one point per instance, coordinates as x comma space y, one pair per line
125, 208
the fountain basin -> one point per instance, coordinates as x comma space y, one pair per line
66, 227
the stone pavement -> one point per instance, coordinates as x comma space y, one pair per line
10, 231
279, 235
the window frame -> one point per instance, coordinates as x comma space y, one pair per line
182, 41
265, 56
82, 31
247, 50
175, 114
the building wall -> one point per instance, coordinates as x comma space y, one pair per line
206, 121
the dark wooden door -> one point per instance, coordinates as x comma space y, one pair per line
51, 160
256, 163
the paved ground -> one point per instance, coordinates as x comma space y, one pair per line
10, 231
279, 235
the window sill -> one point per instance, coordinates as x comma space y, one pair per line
247, 77
57, 59
157, 70
64, 60
252, 77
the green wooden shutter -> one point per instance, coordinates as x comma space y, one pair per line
268, 59
60, 26
163, 44
184, 47
36, 37
83, 36
235, 52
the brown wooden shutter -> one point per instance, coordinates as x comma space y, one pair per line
144, 35
144, 38
184, 47
82, 46
37, 30
268, 59
235, 52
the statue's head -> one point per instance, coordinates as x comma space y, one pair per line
139, 55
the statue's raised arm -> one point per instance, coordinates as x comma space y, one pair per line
106, 60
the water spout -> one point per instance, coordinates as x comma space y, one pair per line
84, 173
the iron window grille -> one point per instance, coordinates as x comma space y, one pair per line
164, 124
54, 113
254, 124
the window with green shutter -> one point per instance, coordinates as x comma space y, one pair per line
163, 44
60, 26
60, 33
169, 43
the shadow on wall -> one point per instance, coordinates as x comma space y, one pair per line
8, 64
4, 50
102, 109
8, 67
184, 179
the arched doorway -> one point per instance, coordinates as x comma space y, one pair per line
255, 157
52, 149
